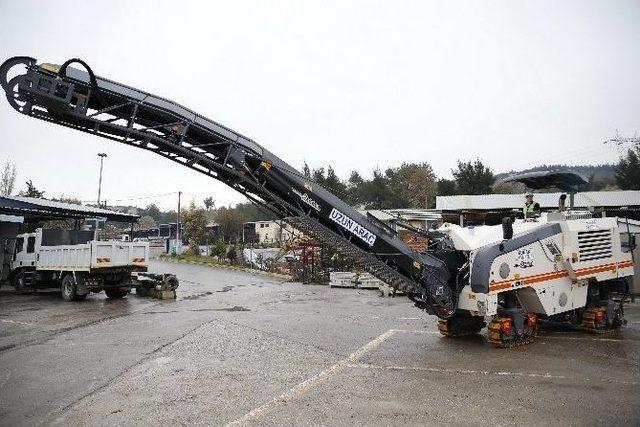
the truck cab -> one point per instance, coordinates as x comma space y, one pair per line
24, 254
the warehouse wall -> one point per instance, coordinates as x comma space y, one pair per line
8, 230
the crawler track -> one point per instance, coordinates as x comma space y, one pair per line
495, 337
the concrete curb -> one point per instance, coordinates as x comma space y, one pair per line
230, 267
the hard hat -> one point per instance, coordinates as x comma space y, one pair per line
528, 194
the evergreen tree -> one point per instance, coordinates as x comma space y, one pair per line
446, 187
473, 177
628, 170
32, 191
306, 171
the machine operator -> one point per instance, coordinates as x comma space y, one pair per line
530, 209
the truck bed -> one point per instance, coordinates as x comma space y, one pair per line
92, 256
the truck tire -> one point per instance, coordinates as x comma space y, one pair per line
115, 293
69, 289
18, 282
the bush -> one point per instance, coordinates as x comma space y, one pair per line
219, 249
194, 249
231, 254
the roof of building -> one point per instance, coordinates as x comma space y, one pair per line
627, 198
41, 209
406, 214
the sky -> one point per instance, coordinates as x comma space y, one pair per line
348, 84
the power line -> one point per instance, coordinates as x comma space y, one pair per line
151, 196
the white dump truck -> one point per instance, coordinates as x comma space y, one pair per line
77, 264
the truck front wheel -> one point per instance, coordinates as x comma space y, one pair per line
18, 282
69, 289
115, 293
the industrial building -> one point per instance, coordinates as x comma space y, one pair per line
491, 208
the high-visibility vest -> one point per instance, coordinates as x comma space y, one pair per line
528, 209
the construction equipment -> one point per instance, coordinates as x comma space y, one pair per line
444, 280
561, 266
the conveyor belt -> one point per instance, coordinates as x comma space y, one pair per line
365, 260
92, 104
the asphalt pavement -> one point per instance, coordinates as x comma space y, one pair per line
243, 349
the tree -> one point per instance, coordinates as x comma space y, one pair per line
413, 185
628, 170
7, 179
306, 171
333, 183
376, 192
152, 211
146, 222
209, 203
354, 189
473, 177
231, 222
195, 226
231, 254
32, 191
318, 175
219, 249
446, 187
253, 212
501, 187
167, 217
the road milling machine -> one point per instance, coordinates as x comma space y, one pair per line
553, 267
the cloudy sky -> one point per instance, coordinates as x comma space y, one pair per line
351, 84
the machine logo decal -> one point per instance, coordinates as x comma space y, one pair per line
307, 199
524, 258
352, 226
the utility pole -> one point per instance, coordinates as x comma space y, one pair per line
178, 242
102, 156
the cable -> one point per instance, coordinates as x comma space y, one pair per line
92, 77
135, 197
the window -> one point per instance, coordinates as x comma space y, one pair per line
19, 245
261, 225
31, 244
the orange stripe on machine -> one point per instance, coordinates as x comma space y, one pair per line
531, 280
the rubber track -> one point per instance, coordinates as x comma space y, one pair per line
494, 337
589, 325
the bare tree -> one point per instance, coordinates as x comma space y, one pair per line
8, 179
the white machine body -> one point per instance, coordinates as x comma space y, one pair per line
549, 273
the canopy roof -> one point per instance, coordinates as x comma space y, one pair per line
565, 181
33, 209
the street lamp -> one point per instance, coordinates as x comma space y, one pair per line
102, 156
